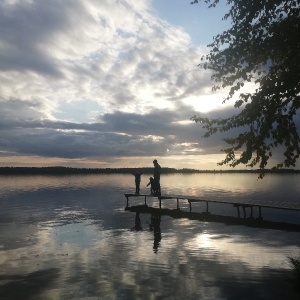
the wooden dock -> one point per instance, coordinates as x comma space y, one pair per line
237, 204
140, 196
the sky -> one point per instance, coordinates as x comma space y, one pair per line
107, 84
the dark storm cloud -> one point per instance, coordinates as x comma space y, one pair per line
116, 134
26, 30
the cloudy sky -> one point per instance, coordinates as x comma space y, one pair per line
107, 83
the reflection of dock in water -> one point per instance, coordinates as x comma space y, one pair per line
206, 216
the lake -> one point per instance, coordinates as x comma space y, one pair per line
70, 237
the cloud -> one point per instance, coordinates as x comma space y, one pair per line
114, 52
158, 133
99, 79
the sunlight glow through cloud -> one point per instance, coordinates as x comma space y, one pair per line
207, 103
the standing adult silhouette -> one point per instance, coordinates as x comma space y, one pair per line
156, 176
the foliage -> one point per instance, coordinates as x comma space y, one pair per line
296, 272
263, 47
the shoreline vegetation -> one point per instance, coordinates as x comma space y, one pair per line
57, 170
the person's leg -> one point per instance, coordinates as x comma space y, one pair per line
136, 187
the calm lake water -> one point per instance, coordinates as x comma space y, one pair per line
69, 237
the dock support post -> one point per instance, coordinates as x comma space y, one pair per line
127, 201
190, 206
244, 209
251, 212
238, 210
159, 202
206, 206
259, 212
177, 203
145, 200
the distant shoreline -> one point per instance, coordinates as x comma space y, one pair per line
71, 171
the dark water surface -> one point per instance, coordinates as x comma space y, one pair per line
69, 237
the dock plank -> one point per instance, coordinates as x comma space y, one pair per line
128, 195
262, 203
284, 205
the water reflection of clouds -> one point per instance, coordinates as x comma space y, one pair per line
86, 237
239, 187
252, 254
34, 183
277, 187
122, 263
24, 258
217, 181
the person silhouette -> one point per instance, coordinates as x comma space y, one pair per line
137, 175
156, 177
152, 185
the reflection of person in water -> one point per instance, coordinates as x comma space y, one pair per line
138, 225
155, 227
137, 176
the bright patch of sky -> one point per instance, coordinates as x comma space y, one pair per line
199, 21
80, 111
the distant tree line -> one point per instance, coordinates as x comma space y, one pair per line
146, 170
